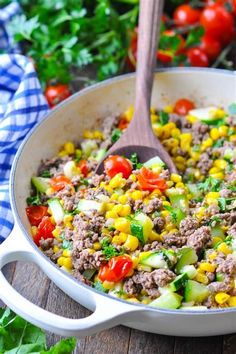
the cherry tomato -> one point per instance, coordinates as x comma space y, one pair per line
117, 164
197, 57
56, 94
183, 106
123, 124
83, 166
211, 46
166, 56
149, 180
185, 15
116, 269
59, 182
35, 213
217, 22
45, 229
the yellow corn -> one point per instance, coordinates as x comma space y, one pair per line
87, 134
214, 133
60, 261
119, 239
136, 195
123, 199
180, 159
133, 299
165, 213
69, 147
232, 138
221, 298
56, 249
109, 206
129, 113
63, 153
117, 208
34, 230
154, 236
153, 110
166, 203
201, 278
133, 178
144, 268
66, 253
108, 285
175, 177
232, 301
122, 224
185, 141
216, 240
223, 131
126, 210
207, 267
206, 144
117, 181
224, 248
114, 196
154, 118
168, 109
170, 184
67, 218
175, 133
191, 119
212, 255
200, 213
158, 131
67, 263
219, 175
111, 214
214, 170
180, 185
212, 198
97, 246
220, 163
98, 135
131, 243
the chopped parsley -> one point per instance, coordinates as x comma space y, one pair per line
84, 181
210, 184
115, 135
196, 148
34, 200
222, 204
218, 143
66, 244
109, 250
45, 174
214, 219
163, 117
135, 162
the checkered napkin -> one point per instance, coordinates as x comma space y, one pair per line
22, 104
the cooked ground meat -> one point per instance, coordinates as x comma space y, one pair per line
132, 288
188, 225
221, 286
199, 132
205, 163
174, 239
46, 244
200, 238
153, 246
153, 205
159, 223
232, 231
228, 266
162, 277
86, 260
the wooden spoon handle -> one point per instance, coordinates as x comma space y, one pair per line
149, 22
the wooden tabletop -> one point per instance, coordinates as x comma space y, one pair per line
35, 286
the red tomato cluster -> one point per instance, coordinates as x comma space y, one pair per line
217, 18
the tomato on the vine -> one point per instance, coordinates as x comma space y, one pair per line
116, 269
45, 229
166, 55
211, 46
150, 180
56, 94
59, 182
183, 106
197, 57
185, 15
218, 23
35, 213
117, 164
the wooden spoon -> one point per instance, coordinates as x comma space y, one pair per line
139, 136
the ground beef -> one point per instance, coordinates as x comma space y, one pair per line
165, 174
96, 180
210, 302
46, 244
221, 286
108, 125
159, 223
56, 255
228, 266
153, 246
232, 231
131, 288
81, 278
153, 293
86, 260
200, 238
205, 163
177, 119
91, 194
188, 225
225, 193
162, 277
199, 132
211, 211
231, 121
53, 165
231, 177
174, 239
154, 205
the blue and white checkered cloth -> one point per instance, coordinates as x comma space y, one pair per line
22, 104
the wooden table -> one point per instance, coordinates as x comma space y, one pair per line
35, 286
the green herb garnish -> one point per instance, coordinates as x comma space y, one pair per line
163, 117
45, 174
210, 184
135, 162
34, 200
115, 135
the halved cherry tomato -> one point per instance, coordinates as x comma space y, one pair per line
123, 124
56, 94
197, 57
149, 180
83, 166
117, 164
185, 15
35, 213
45, 229
116, 269
59, 182
183, 106
211, 46
218, 22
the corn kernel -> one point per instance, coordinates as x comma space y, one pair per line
185, 141
221, 298
224, 248
117, 208
212, 256
191, 119
117, 181
67, 263
63, 153
216, 240
114, 196
152, 110
133, 178
131, 243
67, 218
206, 144
133, 299
56, 249
166, 203
168, 109
66, 253
232, 138
214, 133
232, 301
219, 175
165, 213
111, 214
207, 267
123, 199
158, 130
69, 147
137, 195
170, 184
154, 236
87, 134
180, 185
109, 206
60, 261
122, 224
223, 131
34, 230
144, 268
91, 250
175, 177
126, 210
97, 246
201, 278
221, 164
180, 159
129, 113
119, 239
214, 170
108, 285
154, 118
98, 135
175, 133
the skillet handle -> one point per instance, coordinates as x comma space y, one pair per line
106, 314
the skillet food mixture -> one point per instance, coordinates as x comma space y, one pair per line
136, 232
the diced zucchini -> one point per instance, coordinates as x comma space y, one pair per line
178, 198
57, 210
86, 205
170, 257
194, 190
153, 162
40, 183
167, 301
178, 282
100, 154
190, 270
88, 146
219, 277
141, 227
193, 308
70, 170
216, 231
206, 114
187, 256
89, 273
154, 260
229, 154
195, 291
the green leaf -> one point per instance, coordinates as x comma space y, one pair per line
21, 28
35, 200
232, 109
60, 18
210, 185
135, 162
45, 174
115, 135
222, 204
163, 117
65, 346
194, 36
170, 43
